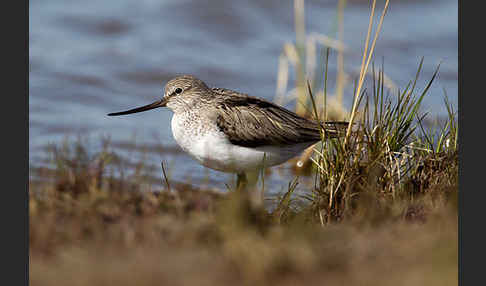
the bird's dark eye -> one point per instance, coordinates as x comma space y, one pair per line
178, 90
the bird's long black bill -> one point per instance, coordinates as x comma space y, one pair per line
159, 103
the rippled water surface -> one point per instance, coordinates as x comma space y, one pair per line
89, 58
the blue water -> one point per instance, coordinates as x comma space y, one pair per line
88, 58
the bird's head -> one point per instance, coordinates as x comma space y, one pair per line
180, 94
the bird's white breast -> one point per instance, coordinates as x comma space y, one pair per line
208, 145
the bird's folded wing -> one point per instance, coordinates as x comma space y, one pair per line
252, 122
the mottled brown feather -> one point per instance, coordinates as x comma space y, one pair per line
251, 122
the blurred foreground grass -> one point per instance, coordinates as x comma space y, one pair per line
201, 238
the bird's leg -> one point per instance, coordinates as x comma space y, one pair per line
241, 181
247, 182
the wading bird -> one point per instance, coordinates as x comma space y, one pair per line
233, 132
